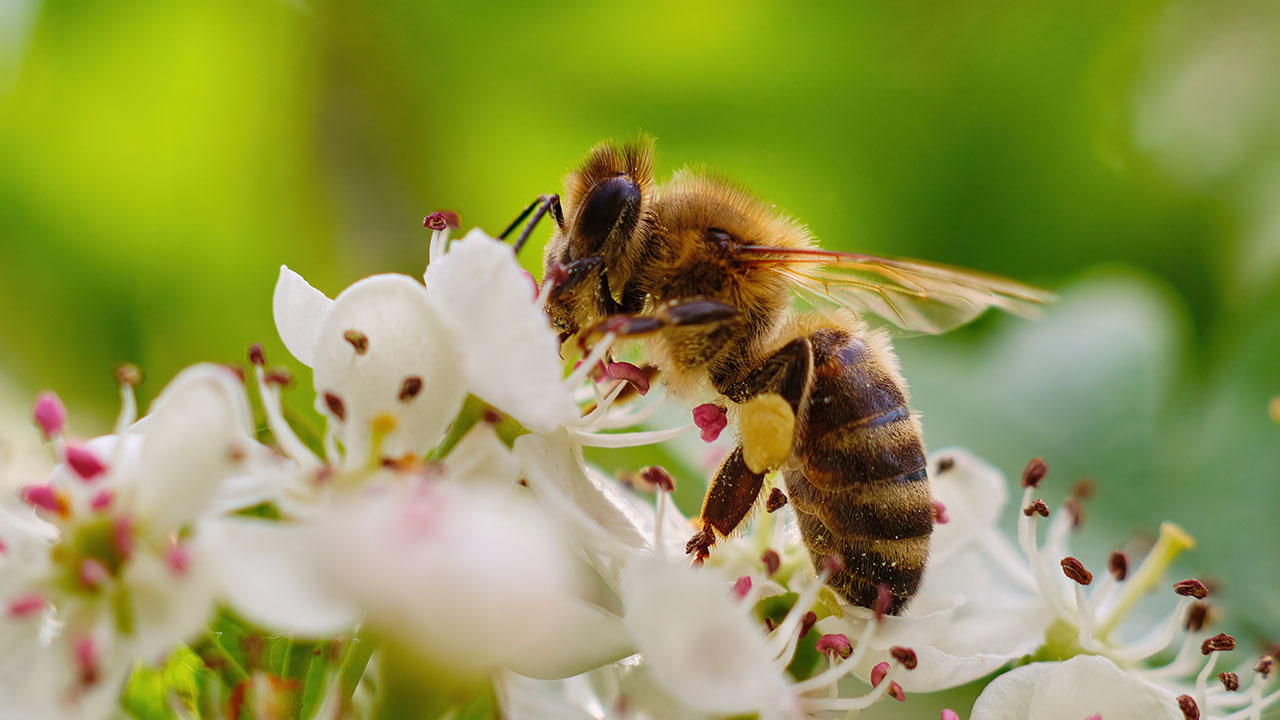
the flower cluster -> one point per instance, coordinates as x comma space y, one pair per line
442, 545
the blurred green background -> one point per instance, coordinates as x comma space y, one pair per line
159, 161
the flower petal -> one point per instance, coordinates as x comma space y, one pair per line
481, 457
198, 435
576, 638
1008, 697
299, 311
696, 642
269, 574
384, 351
510, 353
1112, 693
558, 479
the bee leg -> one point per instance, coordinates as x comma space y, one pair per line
786, 372
570, 276
542, 203
730, 497
691, 312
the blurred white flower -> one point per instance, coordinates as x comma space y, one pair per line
1053, 691
124, 574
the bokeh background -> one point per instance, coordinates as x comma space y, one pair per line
159, 161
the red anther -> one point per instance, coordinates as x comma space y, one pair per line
278, 376
1190, 711
1037, 507
491, 416
940, 513
179, 559
1221, 642
630, 373
335, 405
256, 356
409, 388
1034, 473
1191, 588
85, 464
358, 340
102, 499
26, 605
896, 692
44, 497
658, 477
775, 500
1197, 615
884, 601
772, 561
1075, 570
128, 374
832, 564
904, 655
1264, 666
742, 586
834, 644
878, 672
711, 420
86, 654
93, 574
122, 535
49, 413
1230, 681
1118, 564
807, 621
441, 219
1075, 510
949, 714
945, 464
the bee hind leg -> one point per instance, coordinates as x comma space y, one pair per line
730, 497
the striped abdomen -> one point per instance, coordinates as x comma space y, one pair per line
856, 476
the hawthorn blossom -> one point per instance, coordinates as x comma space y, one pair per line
123, 574
1052, 691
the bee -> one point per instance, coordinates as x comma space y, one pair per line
706, 275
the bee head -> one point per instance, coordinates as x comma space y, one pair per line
607, 201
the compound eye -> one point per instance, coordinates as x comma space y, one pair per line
719, 237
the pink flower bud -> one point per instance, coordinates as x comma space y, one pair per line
85, 464
49, 413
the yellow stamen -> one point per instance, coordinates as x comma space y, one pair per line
382, 425
1172, 542
766, 423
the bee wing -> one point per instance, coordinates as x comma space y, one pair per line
914, 295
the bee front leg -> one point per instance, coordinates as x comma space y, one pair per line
682, 314
730, 497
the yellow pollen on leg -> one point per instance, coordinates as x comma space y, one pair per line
766, 423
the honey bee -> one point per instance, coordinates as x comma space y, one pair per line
705, 275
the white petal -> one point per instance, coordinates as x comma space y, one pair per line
973, 491
198, 436
576, 638
481, 457
466, 577
1111, 693
268, 572
696, 642
511, 354
558, 480
1008, 697
299, 311
169, 608
406, 340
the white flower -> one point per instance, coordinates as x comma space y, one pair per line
127, 576
1082, 687
1053, 691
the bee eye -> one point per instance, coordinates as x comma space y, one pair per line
719, 237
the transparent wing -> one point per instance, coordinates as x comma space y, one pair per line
914, 295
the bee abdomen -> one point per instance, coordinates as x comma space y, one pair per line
857, 477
